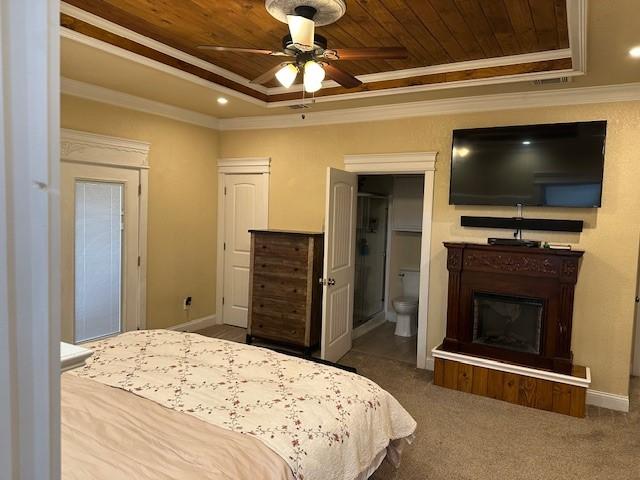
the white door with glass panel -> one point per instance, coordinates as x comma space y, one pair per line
339, 263
245, 208
100, 284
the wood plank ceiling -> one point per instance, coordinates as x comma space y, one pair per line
435, 32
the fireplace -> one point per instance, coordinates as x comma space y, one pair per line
509, 322
513, 304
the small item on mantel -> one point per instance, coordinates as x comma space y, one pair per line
557, 246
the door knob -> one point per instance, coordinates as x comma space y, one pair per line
331, 281
327, 281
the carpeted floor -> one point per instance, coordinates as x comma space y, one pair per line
467, 437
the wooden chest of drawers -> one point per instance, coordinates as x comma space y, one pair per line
285, 295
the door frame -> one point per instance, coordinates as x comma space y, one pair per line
235, 166
423, 163
101, 150
29, 240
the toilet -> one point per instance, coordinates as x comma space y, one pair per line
406, 306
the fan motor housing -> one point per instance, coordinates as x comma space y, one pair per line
319, 42
326, 11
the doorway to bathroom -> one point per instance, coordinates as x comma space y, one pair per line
387, 265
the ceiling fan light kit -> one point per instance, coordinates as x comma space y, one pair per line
313, 76
307, 51
287, 75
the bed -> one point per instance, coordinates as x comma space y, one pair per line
159, 404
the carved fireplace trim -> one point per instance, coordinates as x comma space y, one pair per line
549, 275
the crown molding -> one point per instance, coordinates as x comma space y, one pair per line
523, 77
85, 147
503, 101
443, 68
124, 100
418, 162
576, 12
577, 21
245, 165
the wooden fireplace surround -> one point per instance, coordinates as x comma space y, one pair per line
537, 273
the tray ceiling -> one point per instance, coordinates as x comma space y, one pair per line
439, 34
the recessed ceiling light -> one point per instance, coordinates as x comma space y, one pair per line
527, 142
635, 52
222, 101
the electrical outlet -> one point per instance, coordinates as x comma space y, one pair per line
186, 304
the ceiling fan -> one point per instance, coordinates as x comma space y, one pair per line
306, 52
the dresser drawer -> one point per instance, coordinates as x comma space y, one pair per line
279, 267
285, 309
266, 285
288, 248
266, 326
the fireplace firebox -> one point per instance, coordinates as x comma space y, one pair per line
513, 304
513, 323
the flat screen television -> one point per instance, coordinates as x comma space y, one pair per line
557, 165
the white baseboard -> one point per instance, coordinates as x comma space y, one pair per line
368, 326
608, 400
430, 363
195, 325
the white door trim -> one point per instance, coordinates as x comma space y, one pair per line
95, 149
234, 166
29, 240
403, 163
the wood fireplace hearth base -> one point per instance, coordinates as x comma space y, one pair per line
540, 389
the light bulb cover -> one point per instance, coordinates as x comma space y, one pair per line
313, 76
302, 32
287, 75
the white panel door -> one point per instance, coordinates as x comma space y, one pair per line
244, 209
339, 263
100, 284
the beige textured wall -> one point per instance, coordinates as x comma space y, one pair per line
604, 302
182, 204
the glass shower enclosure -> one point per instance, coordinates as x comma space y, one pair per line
371, 251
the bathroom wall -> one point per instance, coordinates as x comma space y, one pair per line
405, 253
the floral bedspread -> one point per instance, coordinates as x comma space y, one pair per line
324, 422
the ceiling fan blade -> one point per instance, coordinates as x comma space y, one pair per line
242, 50
269, 74
370, 53
302, 32
343, 78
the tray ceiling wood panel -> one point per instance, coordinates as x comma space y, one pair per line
435, 32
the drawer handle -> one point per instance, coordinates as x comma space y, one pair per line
261, 286
295, 311
264, 265
293, 332
295, 290
264, 246
295, 269
261, 305
260, 326
297, 249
